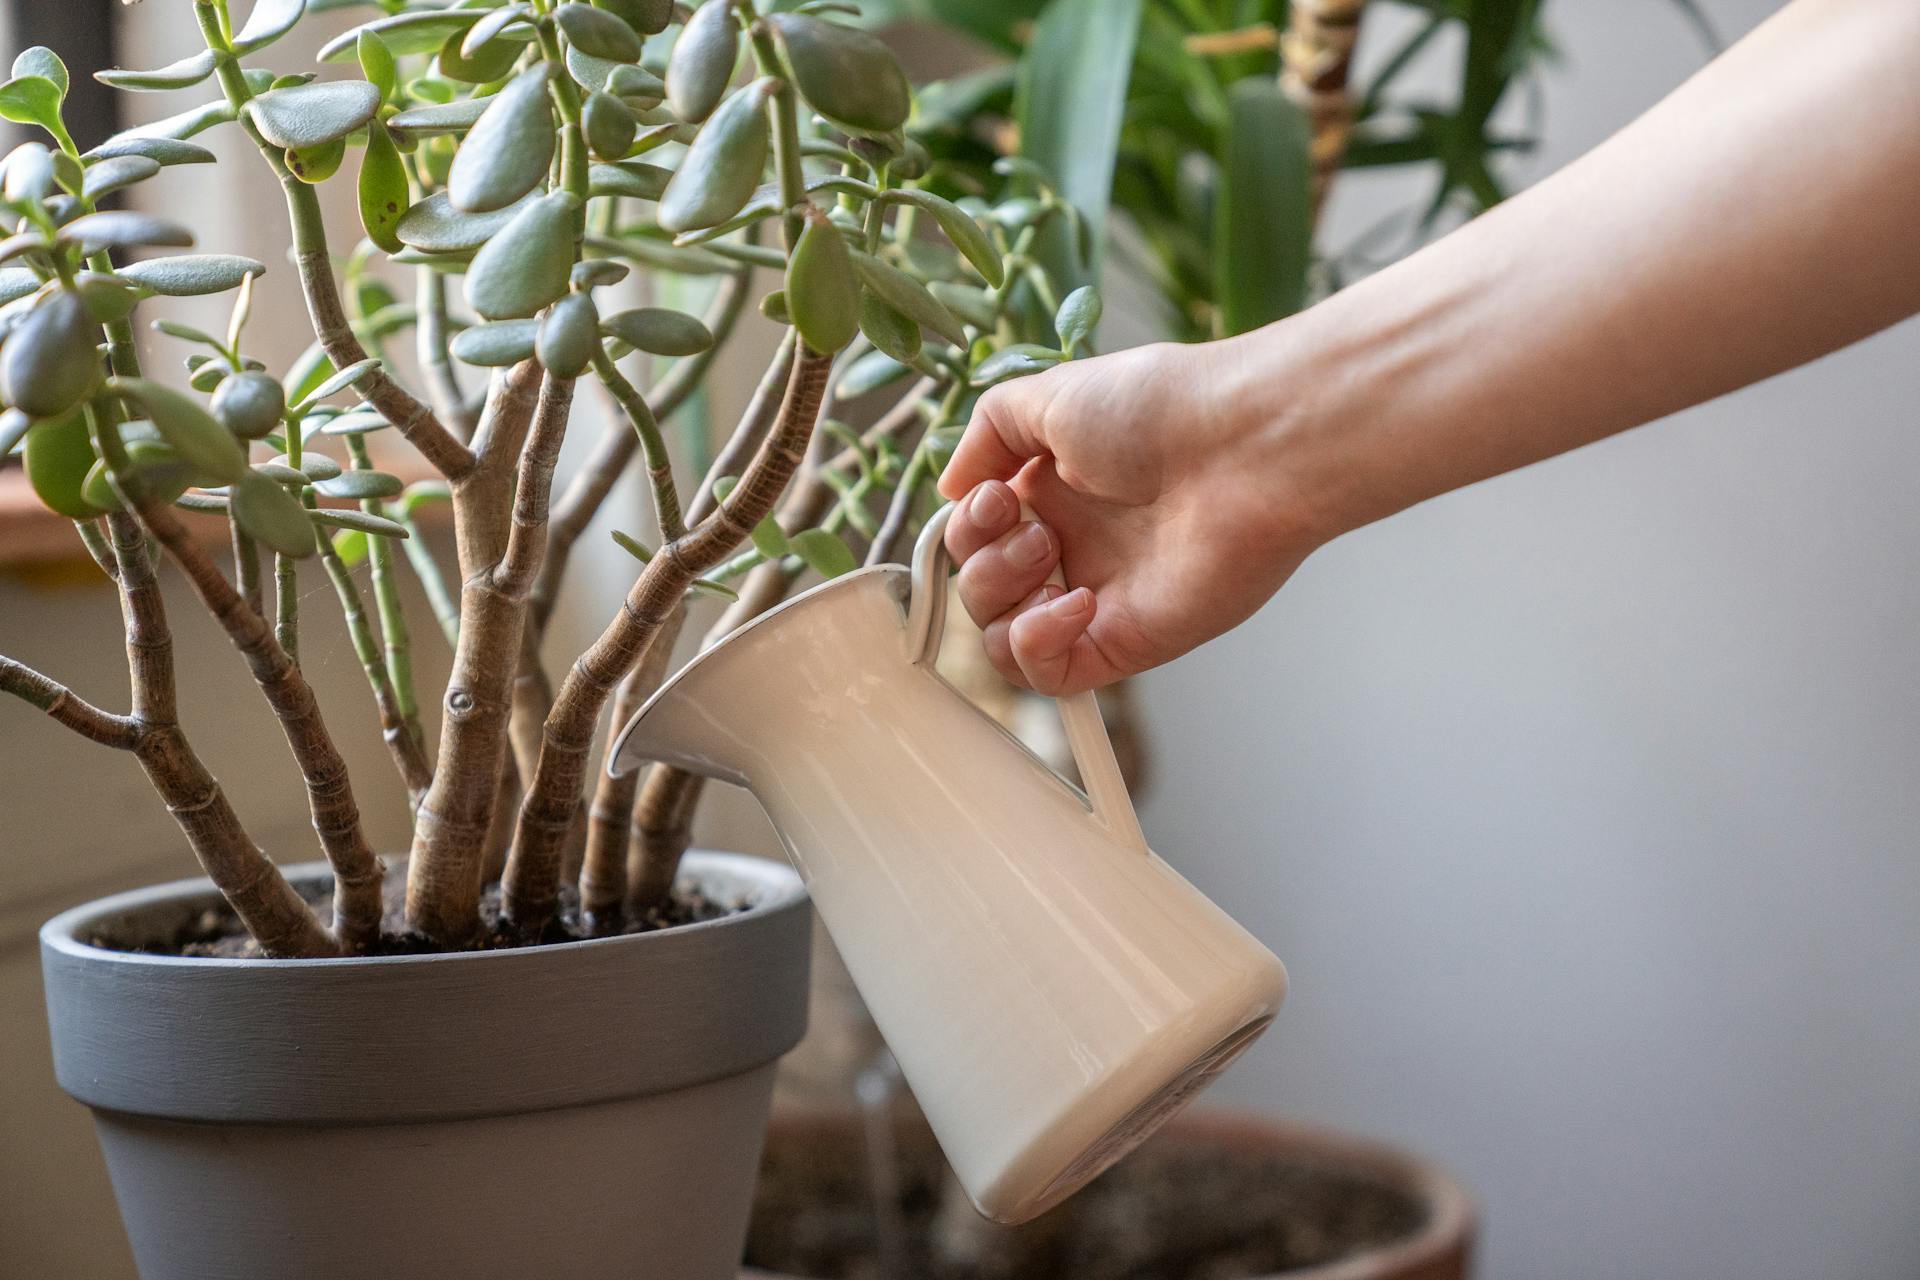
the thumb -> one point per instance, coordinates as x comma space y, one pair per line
1004, 434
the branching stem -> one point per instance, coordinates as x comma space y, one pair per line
553, 794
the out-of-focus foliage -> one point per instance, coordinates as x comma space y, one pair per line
1175, 99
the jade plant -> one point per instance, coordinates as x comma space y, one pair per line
520, 169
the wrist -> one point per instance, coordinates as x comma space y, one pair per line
1272, 398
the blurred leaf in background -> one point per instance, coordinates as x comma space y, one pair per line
1069, 101
1197, 123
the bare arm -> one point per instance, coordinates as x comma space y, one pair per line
1765, 213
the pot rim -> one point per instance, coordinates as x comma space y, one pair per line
1446, 1236
421, 1038
65, 932
1451, 1215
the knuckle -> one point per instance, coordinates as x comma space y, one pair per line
978, 601
994, 402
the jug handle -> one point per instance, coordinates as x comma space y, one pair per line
1079, 712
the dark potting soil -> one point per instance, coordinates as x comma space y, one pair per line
1175, 1210
217, 932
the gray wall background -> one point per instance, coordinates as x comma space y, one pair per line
1584, 807
1582, 804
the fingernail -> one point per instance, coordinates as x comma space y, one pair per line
1044, 596
992, 505
1031, 546
1071, 605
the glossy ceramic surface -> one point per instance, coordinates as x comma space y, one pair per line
1051, 988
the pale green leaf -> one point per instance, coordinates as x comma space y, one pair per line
189, 71
1263, 214
191, 275
1069, 101
507, 151
311, 115
267, 22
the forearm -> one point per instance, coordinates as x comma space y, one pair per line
1765, 213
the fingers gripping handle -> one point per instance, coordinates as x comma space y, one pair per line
1079, 712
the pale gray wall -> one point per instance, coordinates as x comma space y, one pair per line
1583, 806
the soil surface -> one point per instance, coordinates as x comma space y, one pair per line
1178, 1209
217, 931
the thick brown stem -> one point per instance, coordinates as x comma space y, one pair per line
276, 917
411, 417
482, 498
66, 707
663, 811
357, 873
755, 421
499, 555
603, 868
576, 508
532, 698
662, 830
533, 872
527, 539
581, 501
506, 807
603, 871
1316, 57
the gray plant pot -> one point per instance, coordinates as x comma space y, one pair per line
587, 1110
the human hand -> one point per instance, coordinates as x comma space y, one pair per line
1154, 484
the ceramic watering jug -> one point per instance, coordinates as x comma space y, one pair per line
1052, 990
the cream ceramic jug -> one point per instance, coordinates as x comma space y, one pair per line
1052, 990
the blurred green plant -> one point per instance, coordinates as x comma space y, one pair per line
1214, 128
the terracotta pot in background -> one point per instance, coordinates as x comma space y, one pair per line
1228, 1187
584, 1111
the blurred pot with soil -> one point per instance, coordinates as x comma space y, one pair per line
1217, 1195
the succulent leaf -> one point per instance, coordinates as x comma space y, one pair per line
306, 116
595, 31
496, 345
845, 74
383, 189
51, 360
191, 275
507, 152
823, 292
183, 74
264, 508
193, 432
525, 266
703, 59
568, 336
659, 331
58, 457
722, 169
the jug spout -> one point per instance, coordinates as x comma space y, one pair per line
676, 727
724, 712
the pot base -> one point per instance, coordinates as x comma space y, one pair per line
503, 1196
